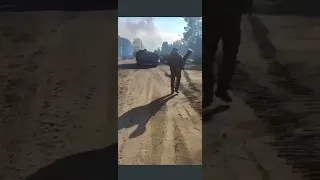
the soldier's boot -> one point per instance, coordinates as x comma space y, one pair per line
207, 94
224, 95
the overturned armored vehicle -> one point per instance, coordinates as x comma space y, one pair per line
144, 57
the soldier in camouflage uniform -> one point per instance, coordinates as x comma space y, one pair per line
176, 64
226, 18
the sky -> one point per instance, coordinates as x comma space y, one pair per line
152, 30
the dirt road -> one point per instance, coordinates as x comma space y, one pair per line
55, 93
271, 129
155, 127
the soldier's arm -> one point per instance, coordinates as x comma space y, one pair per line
181, 60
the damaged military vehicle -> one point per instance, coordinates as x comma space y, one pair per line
144, 57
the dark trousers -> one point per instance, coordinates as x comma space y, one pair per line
175, 78
228, 30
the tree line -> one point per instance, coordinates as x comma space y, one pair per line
127, 49
192, 39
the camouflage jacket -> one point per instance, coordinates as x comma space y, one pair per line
175, 61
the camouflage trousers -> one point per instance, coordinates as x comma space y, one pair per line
228, 30
175, 79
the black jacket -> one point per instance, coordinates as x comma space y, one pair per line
175, 61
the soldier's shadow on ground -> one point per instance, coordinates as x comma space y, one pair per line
134, 66
208, 114
141, 115
97, 164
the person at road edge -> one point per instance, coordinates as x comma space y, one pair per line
226, 18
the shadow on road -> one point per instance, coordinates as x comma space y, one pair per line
97, 164
206, 115
288, 7
134, 66
141, 115
260, 32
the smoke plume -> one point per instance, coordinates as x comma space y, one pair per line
144, 29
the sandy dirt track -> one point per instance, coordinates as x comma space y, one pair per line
271, 129
56, 73
155, 128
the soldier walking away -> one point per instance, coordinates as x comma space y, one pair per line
226, 18
176, 65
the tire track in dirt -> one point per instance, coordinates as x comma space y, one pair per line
190, 84
34, 67
149, 88
182, 156
163, 140
48, 120
140, 90
158, 127
186, 123
124, 97
294, 139
158, 123
123, 79
181, 149
192, 93
55, 121
147, 95
31, 66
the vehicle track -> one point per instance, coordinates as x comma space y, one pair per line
190, 91
53, 90
296, 132
155, 127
